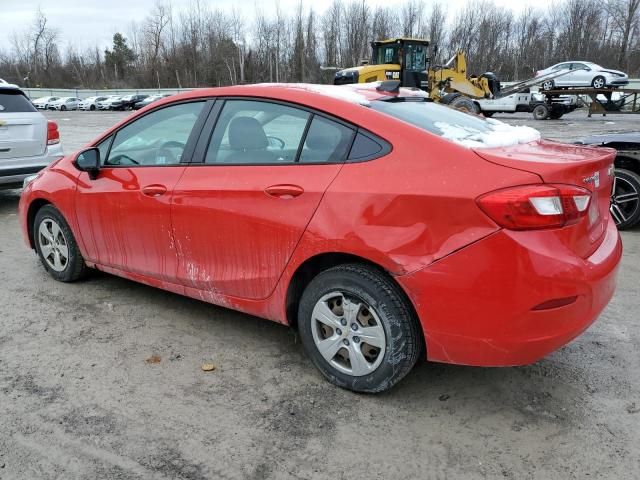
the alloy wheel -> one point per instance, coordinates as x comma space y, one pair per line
348, 333
625, 200
598, 82
53, 245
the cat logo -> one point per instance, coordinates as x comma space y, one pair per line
392, 75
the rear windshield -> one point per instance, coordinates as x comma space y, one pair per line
14, 101
471, 131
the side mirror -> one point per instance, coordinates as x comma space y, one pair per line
89, 161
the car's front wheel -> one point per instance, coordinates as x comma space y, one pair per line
358, 329
599, 82
56, 245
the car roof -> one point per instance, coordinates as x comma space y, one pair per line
359, 94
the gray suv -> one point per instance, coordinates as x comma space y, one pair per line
28, 142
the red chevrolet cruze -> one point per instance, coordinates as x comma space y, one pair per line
381, 225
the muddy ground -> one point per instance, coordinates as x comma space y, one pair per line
103, 379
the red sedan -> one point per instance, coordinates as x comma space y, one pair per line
381, 225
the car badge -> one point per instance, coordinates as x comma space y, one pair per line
595, 179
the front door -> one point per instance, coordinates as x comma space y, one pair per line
124, 214
239, 215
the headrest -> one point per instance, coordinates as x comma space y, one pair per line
246, 133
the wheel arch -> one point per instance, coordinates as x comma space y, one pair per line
33, 209
627, 163
312, 266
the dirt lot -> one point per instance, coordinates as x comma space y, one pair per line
102, 379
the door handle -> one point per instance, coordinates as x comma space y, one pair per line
284, 191
154, 190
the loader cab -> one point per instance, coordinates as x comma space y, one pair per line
407, 59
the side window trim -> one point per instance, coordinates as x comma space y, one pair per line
191, 142
210, 124
303, 139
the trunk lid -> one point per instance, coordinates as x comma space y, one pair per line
558, 163
22, 134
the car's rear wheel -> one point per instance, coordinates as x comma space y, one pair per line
625, 199
358, 328
63, 108
92, 108
599, 82
56, 245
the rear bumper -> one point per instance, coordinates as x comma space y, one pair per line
15, 170
477, 306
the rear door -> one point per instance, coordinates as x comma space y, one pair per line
239, 214
124, 214
23, 130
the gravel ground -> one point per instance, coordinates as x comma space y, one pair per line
102, 379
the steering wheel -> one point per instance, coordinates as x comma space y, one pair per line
276, 142
117, 160
172, 144
164, 151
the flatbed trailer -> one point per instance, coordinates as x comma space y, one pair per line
627, 101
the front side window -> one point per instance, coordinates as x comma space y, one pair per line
158, 138
388, 54
253, 132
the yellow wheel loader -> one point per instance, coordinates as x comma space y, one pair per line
407, 60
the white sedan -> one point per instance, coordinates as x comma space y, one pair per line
106, 103
43, 102
65, 103
583, 74
91, 103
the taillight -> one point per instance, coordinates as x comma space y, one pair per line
531, 207
53, 135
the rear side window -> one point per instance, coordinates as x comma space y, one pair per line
326, 141
366, 147
14, 101
470, 131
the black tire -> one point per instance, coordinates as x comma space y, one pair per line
75, 267
548, 85
460, 102
92, 108
370, 286
488, 114
63, 108
599, 82
625, 199
541, 112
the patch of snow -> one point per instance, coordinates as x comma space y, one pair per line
498, 134
404, 91
338, 92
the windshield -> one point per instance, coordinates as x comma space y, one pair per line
462, 128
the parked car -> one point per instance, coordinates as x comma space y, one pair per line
91, 103
127, 102
65, 103
28, 142
107, 102
43, 102
584, 74
625, 194
149, 100
327, 208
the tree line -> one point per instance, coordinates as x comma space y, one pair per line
199, 46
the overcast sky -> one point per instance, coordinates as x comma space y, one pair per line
86, 23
